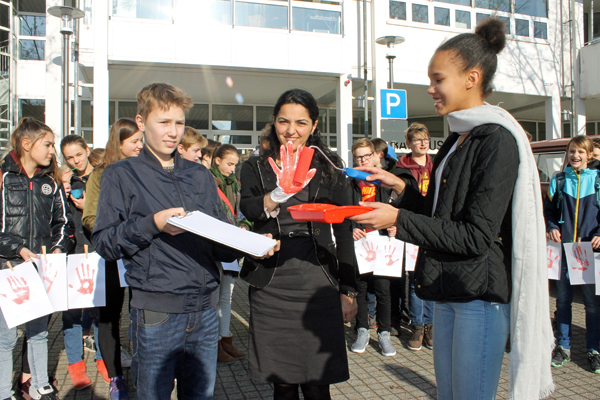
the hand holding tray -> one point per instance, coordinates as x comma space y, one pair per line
329, 213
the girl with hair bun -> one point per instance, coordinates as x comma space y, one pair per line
480, 231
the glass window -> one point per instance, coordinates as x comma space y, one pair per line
87, 114
264, 115
530, 127
322, 124
522, 27
500, 5
506, 21
220, 11
332, 121
541, 131
333, 2
88, 136
127, 109
358, 122
32, 25
566, 131
86, 7
442, 16
549, 164
148, 9
590, 128
459, 2
197, 116
37, 6
31, 49
398, 10
111, 112
481, 17
4, 16
420, 13
234, 139
540, 30
333, 142
33, 109
261, 15
232, 118
463, 19
536, 8
311, 20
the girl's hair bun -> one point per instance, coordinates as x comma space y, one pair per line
493, 31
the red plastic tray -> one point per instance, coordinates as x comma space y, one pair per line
328, 213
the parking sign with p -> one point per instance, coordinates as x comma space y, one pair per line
393, 104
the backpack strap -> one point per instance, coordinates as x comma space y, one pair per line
226, 200
597, 188
560, 185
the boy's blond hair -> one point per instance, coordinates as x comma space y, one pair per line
414, 129
583, 142
163, 96
362, 142
191, 137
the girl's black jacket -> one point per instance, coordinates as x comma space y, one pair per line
336, 259
465, 249
34, 213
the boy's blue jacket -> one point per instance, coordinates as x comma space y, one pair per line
580, 213
173, 274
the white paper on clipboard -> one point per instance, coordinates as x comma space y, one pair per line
221, 232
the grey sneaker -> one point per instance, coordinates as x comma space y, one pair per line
387, 348
361, 341
560, 356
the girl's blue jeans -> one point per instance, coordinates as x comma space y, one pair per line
469, 341
37, 352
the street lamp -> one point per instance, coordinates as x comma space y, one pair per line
66, 15
390, 42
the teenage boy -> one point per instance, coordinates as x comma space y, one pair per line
365, 156
415, 169
191, 145
387, 156
172, 273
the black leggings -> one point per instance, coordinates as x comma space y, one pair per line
290, 392
109, 339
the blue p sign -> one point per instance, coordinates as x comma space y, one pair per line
393, 104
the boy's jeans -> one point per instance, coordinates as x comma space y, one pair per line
421, 311
73, 331
37, 353
564, 299
224, 305
469, 341
182, 347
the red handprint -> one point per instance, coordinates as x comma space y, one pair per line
285, 174
371, 251
47, 276
581, 258
550, 260
20, 289
389, 252
413, 252
85, 279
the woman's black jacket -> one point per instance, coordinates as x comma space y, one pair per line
34, 213
465, 249
336, 259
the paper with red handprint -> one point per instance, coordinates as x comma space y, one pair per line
391, 265
366, 253
53, 271
597, 272
285, 174
86, 282
580, 263
554, 252
411, 256
22, 295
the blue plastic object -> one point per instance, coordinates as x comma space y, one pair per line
354, 173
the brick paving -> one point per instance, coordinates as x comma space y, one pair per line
408, 375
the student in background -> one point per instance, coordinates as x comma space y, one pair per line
191, 144
207, 153
32, 190
76, 154
572, 214
386, 157
414, 169
124, 141
96, 157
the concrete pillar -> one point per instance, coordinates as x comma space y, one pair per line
553, 116
53, 59
344, 118
101, 81
579, 118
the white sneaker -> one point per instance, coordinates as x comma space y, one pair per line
125, 358
387, 348
361, 341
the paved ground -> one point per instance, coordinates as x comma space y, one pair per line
408, 375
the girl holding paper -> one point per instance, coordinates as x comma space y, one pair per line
34, 214
301, 297
572, 214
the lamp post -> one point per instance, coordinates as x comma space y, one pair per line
66, 15
390, 42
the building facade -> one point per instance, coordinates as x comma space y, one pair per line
235, 57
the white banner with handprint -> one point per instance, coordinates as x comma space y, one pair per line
86, 282
554, 252
597, 272
580, 262
411, 257
379, 254
53, 271
23, 297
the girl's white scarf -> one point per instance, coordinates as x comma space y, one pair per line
531, 335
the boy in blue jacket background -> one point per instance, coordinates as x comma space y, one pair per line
572, 213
